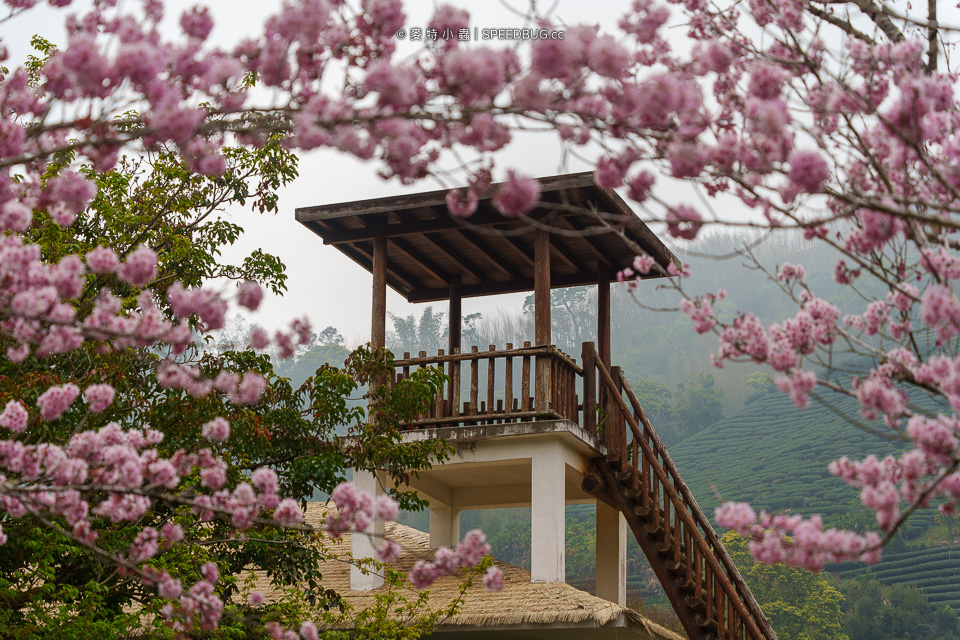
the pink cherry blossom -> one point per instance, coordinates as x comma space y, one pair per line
259, 339
517, 196
196, 22
493, 579
55, 400
140, 267
217, 430
249, 295
388, 552
249, 390
683, 222
99, 397
102, 260
808, 171
14, 416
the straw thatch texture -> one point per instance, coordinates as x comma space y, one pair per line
521, 602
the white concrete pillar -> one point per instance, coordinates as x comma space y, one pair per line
363, 545
548, 518
611, 554
444, 526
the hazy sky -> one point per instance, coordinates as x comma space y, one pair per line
325, 285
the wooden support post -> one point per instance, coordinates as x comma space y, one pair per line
455, 320
454, 326
378, 323
603, 314
508, 380
541, 306
474, 381
525, 399
491, 379
589, 389
455, 385
378, 327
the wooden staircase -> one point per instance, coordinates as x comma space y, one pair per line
638, 478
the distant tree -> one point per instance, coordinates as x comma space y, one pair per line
874, 611
946, 621
951, 521
307, 363
330, 335
657, 400
469, 329
573, 316
432, 331
801, 605
699, 403
429, 333
759, 385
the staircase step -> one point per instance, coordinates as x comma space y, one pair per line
642, 512
686, 586
625, 475
696, 604
677, 566
709, 624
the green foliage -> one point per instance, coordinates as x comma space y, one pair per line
315, 357
429, 333
800, 605
932, 569
311, 433
699, 403
875, 611
656, 399
759, 385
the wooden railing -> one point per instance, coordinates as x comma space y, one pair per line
499, 386
698, 575
635, 473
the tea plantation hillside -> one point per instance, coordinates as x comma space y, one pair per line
776, 457
933, 570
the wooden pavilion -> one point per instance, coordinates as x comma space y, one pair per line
570, 432
580, 234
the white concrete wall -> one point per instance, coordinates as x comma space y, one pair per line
611, 554
363, 545
548, 515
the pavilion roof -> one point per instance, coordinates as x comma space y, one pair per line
522, 609
428, 247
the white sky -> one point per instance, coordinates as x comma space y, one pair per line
324, 285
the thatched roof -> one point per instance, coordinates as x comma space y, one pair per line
521, 605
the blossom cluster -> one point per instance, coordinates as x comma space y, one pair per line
767, 122
793, 541
468, 553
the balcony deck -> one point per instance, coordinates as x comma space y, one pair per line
535, 390
500, 386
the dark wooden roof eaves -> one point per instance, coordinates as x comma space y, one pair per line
437, 198
427, 247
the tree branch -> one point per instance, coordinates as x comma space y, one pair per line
933, 45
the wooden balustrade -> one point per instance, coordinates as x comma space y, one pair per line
647, 487
483, 385
636, 474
